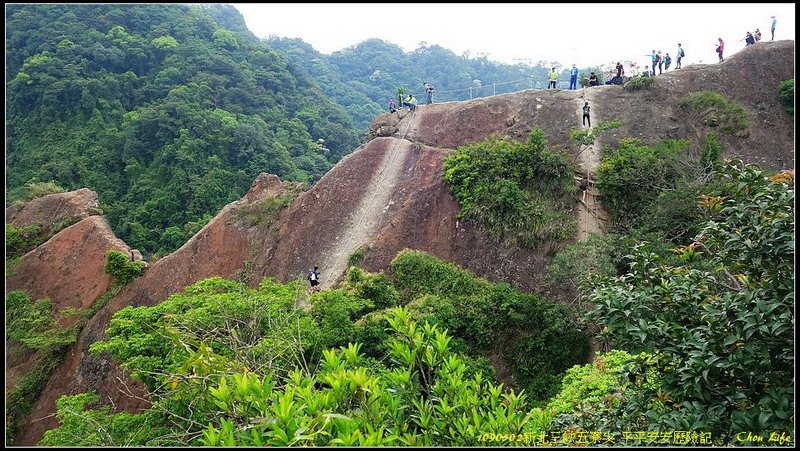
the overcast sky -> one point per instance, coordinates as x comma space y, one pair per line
582, 33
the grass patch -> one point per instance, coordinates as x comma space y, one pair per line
717, 111
639, 83
263, 213
786, 94
357, 256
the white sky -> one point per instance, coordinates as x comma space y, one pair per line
582, 33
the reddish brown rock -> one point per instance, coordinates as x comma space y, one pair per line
54, 211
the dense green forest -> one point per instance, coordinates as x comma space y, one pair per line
162, 110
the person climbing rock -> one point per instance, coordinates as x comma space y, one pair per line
313, 277
586, 117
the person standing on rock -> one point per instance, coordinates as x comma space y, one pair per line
429, 92
313, 277
586, 117
720, 49
667, 62
553, 77
573, 78
660, 62
774, 23
679, 55
654, 60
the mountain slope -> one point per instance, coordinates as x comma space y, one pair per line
388, 195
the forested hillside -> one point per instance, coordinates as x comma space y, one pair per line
164, 111
375, 69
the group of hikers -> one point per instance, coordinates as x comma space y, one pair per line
663, 64
410, 101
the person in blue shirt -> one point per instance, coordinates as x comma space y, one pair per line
654, 58
774, 22
573, 78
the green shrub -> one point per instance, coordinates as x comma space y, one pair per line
414, 273
786, 94
639, 83
519, 192
711, 156
631, 176
121, 268
578, 262
720, 335
357, 256
21, 241
377, 288
717, 111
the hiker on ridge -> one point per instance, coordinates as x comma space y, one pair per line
593, 79
660, 62
429, 92
654, 60
757, 35
720, 49
573, 78
679, 55
749, 39
667, 62
392, 106
774, 22
553, 77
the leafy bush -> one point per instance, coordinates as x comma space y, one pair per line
21, 241
711, 156
515, 191
631, 176
121, 268
482, 317
717, 111
377, 288
357, 256
720, 335
786, 94
639, 83
579, 262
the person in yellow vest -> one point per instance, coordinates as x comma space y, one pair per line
410, 102
553, 77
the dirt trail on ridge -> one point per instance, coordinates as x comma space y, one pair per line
591, 216
370, 215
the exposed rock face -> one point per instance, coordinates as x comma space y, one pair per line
54, 210
389, 195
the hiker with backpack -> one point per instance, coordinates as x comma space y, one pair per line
667, 62
313, 277
679, 55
